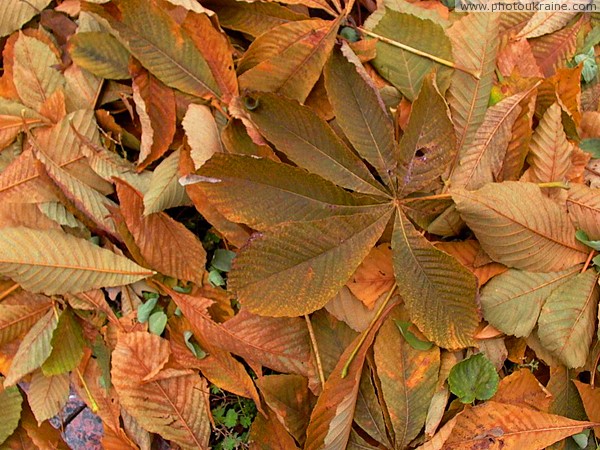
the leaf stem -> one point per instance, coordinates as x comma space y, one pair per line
315, 347
366, 332
554, 184
445, 196
588, 261
93, 405
9, 291
418, 52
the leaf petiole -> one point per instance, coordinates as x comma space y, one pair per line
366, 332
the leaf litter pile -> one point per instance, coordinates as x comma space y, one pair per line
373, 223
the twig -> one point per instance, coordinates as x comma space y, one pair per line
9, 291
418, 52
588, 261
428, 197
315, 347
366, 332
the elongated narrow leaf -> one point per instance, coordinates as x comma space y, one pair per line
408, 380
550, 152
67, 346
310, 142
175, 407
532, 235
47, 395
481, 161
278, 192
279, 343
202, 134
438, 291
568, 319
331, 420
404, 69
474, 45
512, 301
360, 112
10, 399
34, 348
35, 74
54, 262
584, 209
543, 22
428, 144
155, 105
289, 58
160, 44
296, 268
252, 18
168, 246
19, 312
496, 425
164, 190
15, 13
101, 54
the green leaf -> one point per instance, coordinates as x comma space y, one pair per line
584, 239
536, 235
438, 291
67, 346
428, 143
512, 301
474, 378
222, 259
568, 319
309, 141
581, 439
591, 146
10, 414
410, 338
188, 337
101, 54
295, 268
360, 112
590, 67
67, 264
279, 193
145, 309
157, 322
215, 278
231, 418
160, 44
404, 69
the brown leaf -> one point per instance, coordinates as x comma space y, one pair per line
497, 425
155, 105
467, 253
552, 50
522, 388
165, 244
374, 276
591, 402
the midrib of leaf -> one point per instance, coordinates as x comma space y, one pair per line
310, 55
538, 287
25, 317
18, 122
332, 249
513, 220
173, 406
36, 79
82, 268
26, 180
336, 162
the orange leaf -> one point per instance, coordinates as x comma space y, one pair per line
522, 388
467, 253
590, 396
495, 425
165, 244
374, 276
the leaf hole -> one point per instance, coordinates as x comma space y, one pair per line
250, 103
419, 153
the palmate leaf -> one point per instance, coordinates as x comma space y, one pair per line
310, 142
568, 319
474, 45
174, 406
408, 380
280, 193
160, 44
532, 235
438, 291
303, 265
512, 301
428, 144
289, 58
360, 112
53, 262
404, 69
